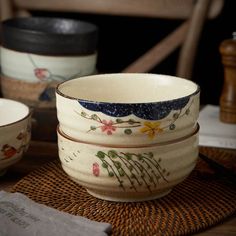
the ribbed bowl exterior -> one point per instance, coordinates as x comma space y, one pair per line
128, 174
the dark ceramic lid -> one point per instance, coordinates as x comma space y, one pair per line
49, 36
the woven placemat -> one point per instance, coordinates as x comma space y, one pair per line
194, 205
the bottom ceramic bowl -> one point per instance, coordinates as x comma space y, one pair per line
128, 174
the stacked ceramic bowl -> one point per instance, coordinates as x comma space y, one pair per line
14, 132
128, 137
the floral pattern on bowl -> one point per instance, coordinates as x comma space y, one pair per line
148, 127
11, 150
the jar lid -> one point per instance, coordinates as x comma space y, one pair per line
49, 36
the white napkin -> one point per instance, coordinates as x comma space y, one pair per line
213, 132
21, 216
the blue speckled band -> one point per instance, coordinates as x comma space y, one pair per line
146, 111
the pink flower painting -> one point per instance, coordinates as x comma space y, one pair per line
96, 170
41, 73
108, 127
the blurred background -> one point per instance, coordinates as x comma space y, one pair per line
123, 39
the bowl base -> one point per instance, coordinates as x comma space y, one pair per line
137, 198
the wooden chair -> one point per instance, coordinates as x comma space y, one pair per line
194, 13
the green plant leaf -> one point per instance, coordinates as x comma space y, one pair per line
175, 115
128, 131
93, 127
140, 157
122, 173
83, 114
100, 154
111, 174
150, 154
94, 117
117, 164
119, 120
131, 121
130, 167
104, 165
112, 153
128, 156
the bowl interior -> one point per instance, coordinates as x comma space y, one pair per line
127, 88
12, 111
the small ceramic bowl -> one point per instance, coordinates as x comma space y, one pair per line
128, 174
127, 109
38, 53
15, 118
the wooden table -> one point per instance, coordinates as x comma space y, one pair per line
41, 153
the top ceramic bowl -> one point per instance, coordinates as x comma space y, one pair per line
127, 109
14, 131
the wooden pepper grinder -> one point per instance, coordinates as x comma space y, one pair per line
228, 95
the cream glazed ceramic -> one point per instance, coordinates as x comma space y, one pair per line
34, 68
128, 174
127, 109
15, 132
38, 75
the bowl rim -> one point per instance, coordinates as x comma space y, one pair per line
8, 23
81, 41
165, 143
57, 90
19, 120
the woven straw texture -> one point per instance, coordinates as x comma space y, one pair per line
196, 204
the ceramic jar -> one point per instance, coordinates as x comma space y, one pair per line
38, 53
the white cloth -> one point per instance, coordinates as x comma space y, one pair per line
213, 132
